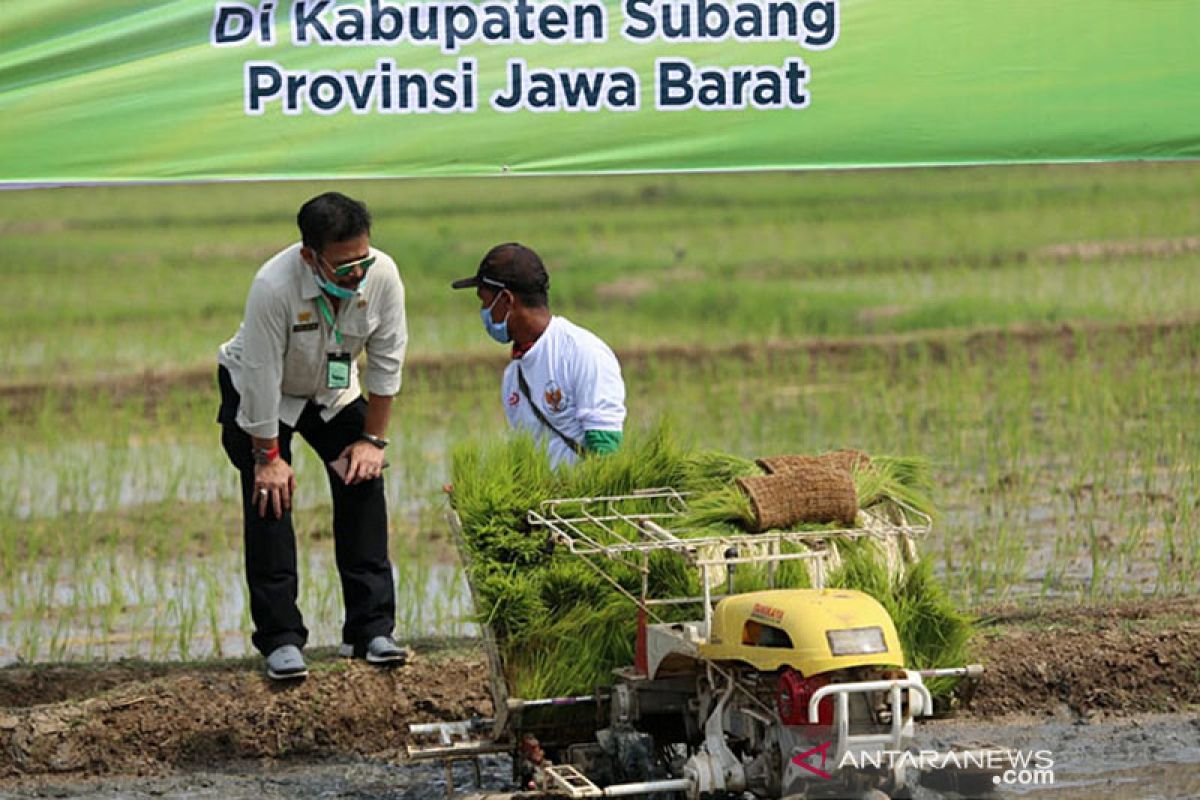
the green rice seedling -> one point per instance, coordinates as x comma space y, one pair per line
494, 487
246, 623
537, 670
671, 576
862, 569
212, 603
906, 479
567, 583
938, 632
329, 591
1052, 578
511, 597
408, 594
552, 614
932, 631
58, 637
186, 616
31, 640
651, 459
720, 506
575, 652
156, 635
709, 470
792, 573
109, 619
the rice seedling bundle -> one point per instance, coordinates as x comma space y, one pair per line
562, 624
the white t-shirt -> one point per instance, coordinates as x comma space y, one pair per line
575, 380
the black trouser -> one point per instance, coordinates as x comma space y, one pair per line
359, 531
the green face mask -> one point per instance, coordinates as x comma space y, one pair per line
340, 292
333, 290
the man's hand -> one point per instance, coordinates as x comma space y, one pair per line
274, 485
366, 462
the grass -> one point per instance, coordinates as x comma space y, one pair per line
1065, 468
157, 276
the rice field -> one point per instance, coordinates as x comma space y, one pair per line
117, 279
909, 313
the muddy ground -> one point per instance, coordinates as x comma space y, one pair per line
81, 730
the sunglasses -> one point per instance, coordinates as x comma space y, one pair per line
345, 269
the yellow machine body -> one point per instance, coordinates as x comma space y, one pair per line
809, 630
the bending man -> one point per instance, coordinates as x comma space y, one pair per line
291, 368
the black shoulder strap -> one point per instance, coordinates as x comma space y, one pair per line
571, 443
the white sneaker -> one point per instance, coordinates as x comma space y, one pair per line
383, 650
285, 663
380, 650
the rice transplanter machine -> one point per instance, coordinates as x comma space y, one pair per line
766, 694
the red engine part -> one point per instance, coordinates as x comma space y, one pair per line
795, 691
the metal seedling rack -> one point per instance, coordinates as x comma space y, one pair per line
628, 528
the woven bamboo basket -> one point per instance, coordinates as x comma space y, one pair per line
848, 460
816, 494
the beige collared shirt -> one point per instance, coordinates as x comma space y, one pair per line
277, 359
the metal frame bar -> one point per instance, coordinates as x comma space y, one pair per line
632, 534
842, 692
499, 688
652, 536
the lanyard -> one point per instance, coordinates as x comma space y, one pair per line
328, 314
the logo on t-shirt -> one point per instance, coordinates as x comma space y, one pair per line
514, 399
554, 397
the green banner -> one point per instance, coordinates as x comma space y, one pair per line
121, 90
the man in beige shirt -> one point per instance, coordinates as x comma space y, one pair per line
291, 368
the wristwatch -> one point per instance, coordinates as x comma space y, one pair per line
265, 455
378, 441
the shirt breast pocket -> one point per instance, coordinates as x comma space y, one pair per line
302, 360
356, 331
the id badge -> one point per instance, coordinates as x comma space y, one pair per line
337, 371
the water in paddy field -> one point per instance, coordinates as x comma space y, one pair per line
1152, 756
157, 597
94, 477
122, 606
997, 539
114, 603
